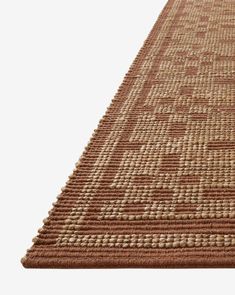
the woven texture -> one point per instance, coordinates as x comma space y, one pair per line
155, 186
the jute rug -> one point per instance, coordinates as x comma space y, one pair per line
155, 186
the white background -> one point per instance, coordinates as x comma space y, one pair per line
61, 62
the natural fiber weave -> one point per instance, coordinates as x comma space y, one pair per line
155, 186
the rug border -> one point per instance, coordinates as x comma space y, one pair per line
125, 262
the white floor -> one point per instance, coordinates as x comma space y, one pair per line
61, 62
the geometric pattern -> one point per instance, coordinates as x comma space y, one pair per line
155, 186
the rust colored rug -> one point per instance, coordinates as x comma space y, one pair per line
155, 186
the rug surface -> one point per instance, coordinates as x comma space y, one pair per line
155, 186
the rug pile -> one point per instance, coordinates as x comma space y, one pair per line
155, 186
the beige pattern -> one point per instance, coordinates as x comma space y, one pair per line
150, 241
176, 134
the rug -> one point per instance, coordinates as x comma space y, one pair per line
155, 187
